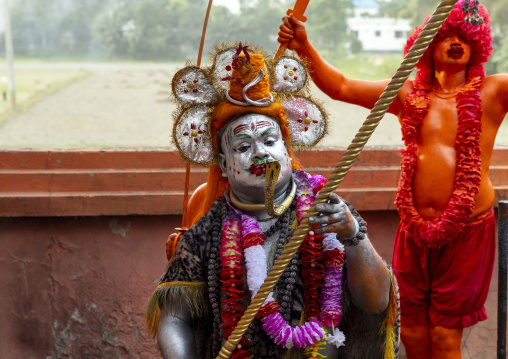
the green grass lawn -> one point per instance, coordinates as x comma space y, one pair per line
33, 86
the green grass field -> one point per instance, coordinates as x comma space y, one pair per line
33, 86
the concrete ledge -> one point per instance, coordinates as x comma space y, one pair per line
90, 182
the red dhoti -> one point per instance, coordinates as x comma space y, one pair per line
449, 286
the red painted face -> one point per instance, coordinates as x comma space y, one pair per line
452, 50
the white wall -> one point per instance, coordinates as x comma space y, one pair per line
379, 33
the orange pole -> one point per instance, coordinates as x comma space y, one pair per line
297, 11
186, 195
187, 167
204, 32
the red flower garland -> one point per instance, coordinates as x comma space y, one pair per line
313, 270
231, 273
231, 252
313, 273
438, 232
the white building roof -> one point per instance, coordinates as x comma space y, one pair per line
380, 33
366, 4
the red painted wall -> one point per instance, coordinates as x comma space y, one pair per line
77, 286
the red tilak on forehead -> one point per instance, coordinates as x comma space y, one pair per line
260, 124
240, 128
253, 126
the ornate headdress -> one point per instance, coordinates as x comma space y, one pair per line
241, 80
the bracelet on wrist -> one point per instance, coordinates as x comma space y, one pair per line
361, 231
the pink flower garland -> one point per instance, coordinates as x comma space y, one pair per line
331, 310
252, 240
438, 232
273, 323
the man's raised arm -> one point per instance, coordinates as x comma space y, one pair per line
330, 80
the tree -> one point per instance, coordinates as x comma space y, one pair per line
414, 10
51, 28
108, 29
35, 26
75, 27
151, 29
328, 27
260, 24
167, 30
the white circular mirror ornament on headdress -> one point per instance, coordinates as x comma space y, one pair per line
290, 75
240, 76
191, 86
224, 62
192, 135
223, 68
306, 121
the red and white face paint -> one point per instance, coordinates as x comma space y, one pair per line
247, 143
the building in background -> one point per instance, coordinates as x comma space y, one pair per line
377, 33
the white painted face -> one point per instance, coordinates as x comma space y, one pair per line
246, 143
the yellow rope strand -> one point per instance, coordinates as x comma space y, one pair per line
376, 114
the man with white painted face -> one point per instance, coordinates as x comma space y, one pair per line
335, 296
247, 143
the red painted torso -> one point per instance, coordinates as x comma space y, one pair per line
436, 162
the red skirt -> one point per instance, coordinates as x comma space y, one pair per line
447, 286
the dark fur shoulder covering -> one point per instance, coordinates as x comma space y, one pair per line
184, 281
188, 262
188, 275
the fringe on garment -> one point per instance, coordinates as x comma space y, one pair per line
389, 328
191, 294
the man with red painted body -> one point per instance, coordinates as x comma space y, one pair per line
450, 114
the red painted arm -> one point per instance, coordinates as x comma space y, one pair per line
195, 203
330, 80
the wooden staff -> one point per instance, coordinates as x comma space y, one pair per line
298, 12
175, 237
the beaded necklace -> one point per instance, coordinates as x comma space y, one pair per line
322, 260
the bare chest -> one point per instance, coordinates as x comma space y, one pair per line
439, 127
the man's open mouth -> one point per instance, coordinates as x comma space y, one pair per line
258, 168
456, 51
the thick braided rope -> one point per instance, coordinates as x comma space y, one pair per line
345, 163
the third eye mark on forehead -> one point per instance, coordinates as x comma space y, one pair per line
252, 126
235, 132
